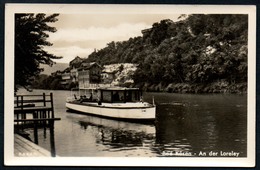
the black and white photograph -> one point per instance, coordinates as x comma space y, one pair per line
130, 85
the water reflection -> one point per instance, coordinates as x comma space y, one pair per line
116, 134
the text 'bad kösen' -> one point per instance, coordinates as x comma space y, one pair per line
202, 153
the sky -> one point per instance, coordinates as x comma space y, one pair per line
80, 34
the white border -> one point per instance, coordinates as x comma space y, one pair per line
11, 9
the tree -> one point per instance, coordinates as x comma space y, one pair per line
31, 33
197, 50
159, 31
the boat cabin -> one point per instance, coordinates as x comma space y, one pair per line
112, 95
120, 95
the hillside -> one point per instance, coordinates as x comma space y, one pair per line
201, 53
196, 54
58, 66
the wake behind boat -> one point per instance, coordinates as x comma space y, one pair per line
116, 102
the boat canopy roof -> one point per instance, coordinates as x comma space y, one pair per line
109, 89
113, 94
118, 89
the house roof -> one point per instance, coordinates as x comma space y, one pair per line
66, 70
76, 62
87, 66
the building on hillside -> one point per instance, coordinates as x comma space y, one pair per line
107, 77
74, 65
74, 75
65, 78
76, 62
109, 73
89, 75
57, 73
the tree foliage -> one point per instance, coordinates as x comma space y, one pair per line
199, 49
43, 81
195, 51
31, 33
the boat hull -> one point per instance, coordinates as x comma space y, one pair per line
112, 111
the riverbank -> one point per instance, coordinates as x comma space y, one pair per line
216, 87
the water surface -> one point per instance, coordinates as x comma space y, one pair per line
186, 125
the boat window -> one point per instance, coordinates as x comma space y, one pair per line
106, 96
95, 95
118, 96
132, 96
136, 96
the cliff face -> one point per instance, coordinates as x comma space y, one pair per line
121, 73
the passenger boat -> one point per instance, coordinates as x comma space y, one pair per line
113, 102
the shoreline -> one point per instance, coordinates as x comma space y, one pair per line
211, 88
185, 88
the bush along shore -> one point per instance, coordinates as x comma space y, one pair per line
216, 87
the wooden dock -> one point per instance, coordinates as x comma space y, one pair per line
25, 148
33, 111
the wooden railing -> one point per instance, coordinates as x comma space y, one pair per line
20, 100
35, 111
40, 107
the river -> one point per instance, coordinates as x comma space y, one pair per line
186, 125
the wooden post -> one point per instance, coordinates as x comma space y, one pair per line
44, 100
22, 102
22, 107
17, 101
17, 104
52, 140
36, 114
52, 110
44, 104
36, 132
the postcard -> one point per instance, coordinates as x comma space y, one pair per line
130, 85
